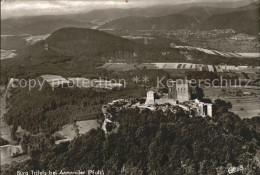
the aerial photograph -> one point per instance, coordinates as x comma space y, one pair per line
130, 87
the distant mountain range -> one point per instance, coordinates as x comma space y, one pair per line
202, 13
170, 22
38, 25
243, 19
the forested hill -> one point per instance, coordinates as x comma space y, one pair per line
81, 49
156, 143
82, 43
77, 42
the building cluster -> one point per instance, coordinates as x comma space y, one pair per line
179, 94
111, 126
138, 37
242, 37
207, 34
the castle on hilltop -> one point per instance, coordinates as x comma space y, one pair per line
179, 94
179, 91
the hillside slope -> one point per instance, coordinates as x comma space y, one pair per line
94, 45
160, 143
242, 21
78, 41
203, 13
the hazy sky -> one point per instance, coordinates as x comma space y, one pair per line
11, 8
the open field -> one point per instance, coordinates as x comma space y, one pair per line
179, 66
246, 106
247, 109
5, 54
136, 66
228, 45
70, 131
32, 39
127, 66
86, 126
224, 54
7, 151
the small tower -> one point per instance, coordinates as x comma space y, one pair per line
150, 98
209, 110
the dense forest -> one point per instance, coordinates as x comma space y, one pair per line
49, 110
159, 143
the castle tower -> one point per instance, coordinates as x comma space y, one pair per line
150, 98
180, 90
172, 92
